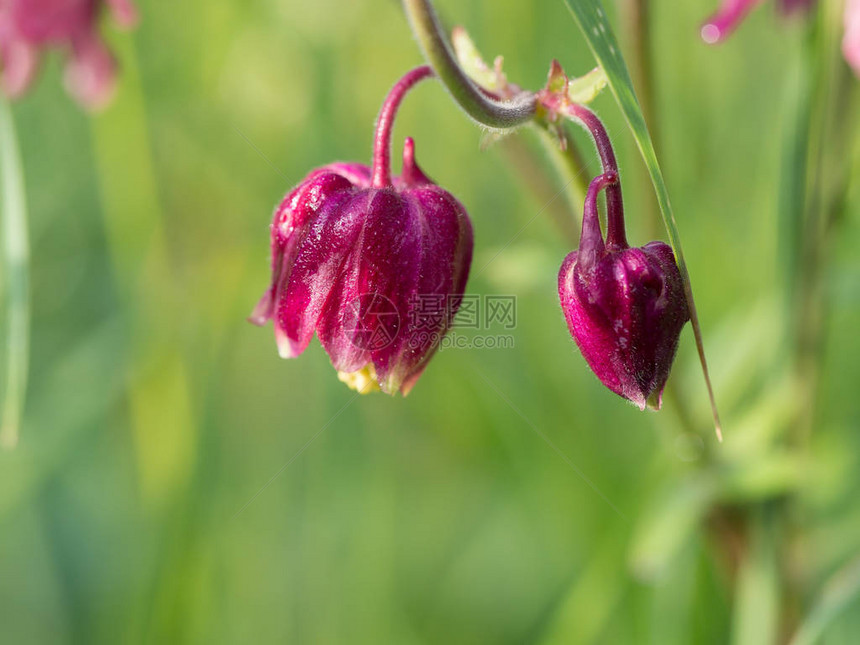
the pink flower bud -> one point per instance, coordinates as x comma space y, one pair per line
625, 307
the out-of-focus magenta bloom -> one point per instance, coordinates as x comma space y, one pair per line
732, 12
851, 39
28, 27
375, 267
625, 307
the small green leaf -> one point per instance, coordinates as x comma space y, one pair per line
473, 63
586, 88
591, 18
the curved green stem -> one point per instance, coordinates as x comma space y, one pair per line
16, 264
486, 111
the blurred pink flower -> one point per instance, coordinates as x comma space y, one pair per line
851, 39
27, 27
732, 13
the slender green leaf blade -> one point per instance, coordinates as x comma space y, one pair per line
591, 18
16, 272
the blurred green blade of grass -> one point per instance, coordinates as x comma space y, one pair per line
16, 280
164, 429
64, 414
756, 603
670, 525
589, 602
838, 593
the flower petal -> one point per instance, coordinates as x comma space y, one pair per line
124, 12
310, 297
90, 72
19, 62
851, 38
431, 290
52, 21
289, 223
787, 7
359, 315
727, 18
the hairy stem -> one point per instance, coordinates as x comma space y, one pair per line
591, 241
483, 109
615, 235
385, 124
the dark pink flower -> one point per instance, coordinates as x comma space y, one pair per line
625, 307
29, 27
352, 255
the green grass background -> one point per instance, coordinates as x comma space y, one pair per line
475, 510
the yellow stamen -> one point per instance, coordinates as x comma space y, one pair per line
363, 381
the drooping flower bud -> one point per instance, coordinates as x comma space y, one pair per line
353, 254
27, 27
625, 307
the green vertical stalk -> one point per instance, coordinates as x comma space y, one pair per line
636, 24
755, 614
822, 166
813, 197
16, 267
